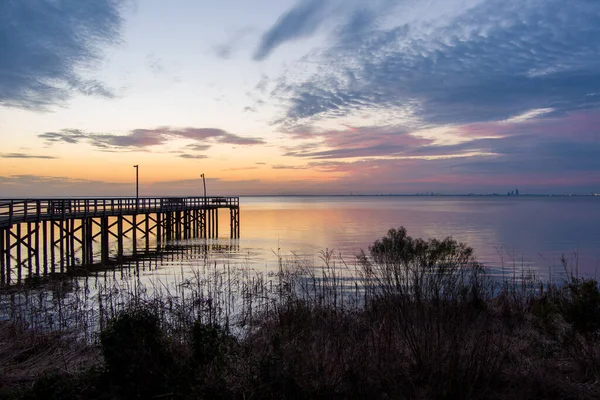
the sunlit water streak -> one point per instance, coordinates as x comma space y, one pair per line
507, 233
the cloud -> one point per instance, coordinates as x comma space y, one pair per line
356, 143
197, 147
139, 139
46, 44
193, 156
35, 186
227, 49
484, 61
535, 153
302, 20
282, 166
23, 155
66, 135
240, 169
155, 64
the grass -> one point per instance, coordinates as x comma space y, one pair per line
411, 319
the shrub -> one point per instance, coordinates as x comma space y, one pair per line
136, 355
211, 345
582, 308
213, 358
434, 293
424, 270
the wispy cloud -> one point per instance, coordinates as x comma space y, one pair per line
145, 138
193, 156
240, 169
46, 43
356, 143
484, 61
283, 166
24, 155
228, 48
302, 20
28, 185
548, 150
197, 147
442, 94
155, 63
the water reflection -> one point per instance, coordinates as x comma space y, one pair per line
507, 234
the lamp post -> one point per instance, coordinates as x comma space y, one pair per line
204, 182
137, 185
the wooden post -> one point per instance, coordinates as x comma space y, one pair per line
61, 238
52, 244
90, 240
208, 223
29, 252
71, 223
8, 256
214, 223
120, 237
134, 235
84, 241
67, 249
2, 258
147, 221
169, 225
216, 227
159, 230
37, 246
178, 225
19, 259
104, 232
187, 221
231, 223
45, 246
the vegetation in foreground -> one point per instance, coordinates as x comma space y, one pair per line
419, 320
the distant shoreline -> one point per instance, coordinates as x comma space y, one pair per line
533, 195
423, 195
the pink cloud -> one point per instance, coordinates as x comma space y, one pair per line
358, 142
582, 126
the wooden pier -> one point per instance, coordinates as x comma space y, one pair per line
41, 236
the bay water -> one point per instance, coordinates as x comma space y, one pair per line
547, 236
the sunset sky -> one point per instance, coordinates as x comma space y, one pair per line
299, 97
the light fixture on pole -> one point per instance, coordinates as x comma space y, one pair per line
204, 182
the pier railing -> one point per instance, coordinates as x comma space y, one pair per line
31, 210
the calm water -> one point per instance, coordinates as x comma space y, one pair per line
509, 235
506, 232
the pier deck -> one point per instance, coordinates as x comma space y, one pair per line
34, 210
43, 235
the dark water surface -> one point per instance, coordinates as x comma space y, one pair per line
507, 233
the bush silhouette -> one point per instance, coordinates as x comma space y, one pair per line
582, 309
136, 355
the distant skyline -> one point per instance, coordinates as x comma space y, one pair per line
299, 97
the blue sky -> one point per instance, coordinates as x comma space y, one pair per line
295, 97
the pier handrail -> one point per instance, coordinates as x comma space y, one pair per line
23, 210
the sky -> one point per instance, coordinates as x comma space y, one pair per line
299, 97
